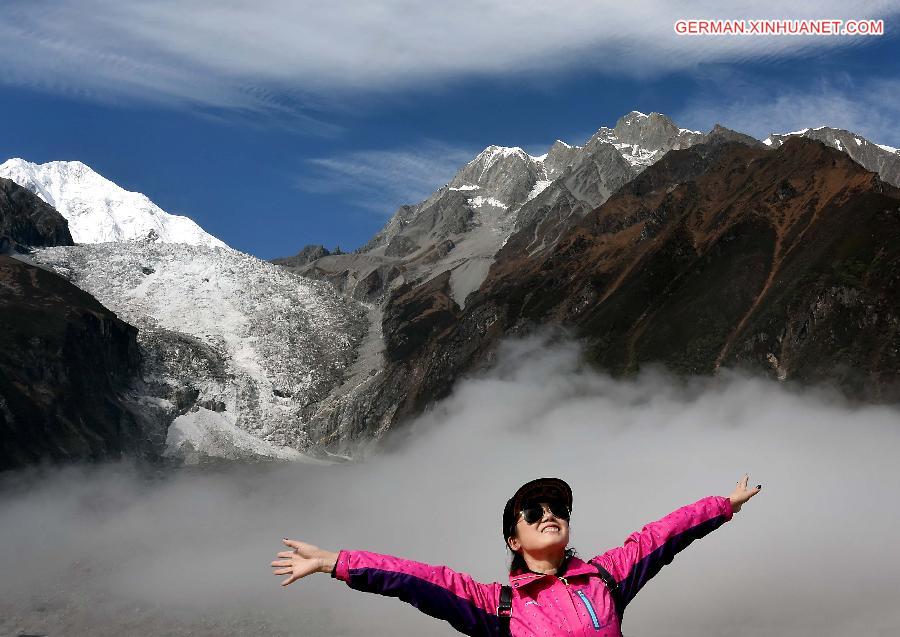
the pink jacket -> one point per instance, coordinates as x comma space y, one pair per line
574, 603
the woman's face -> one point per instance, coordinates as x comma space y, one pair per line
547, 535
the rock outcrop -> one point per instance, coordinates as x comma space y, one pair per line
26, 220
66, 369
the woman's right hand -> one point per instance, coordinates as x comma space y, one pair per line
303, 560
741, 493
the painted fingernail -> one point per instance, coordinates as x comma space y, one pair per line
759, 486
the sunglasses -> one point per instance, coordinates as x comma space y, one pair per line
533, 512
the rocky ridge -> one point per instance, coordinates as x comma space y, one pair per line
418, 292
461, 226
781, 262
877, 158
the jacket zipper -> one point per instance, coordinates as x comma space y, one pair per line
590, 609
586, 601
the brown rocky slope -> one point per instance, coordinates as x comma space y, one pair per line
783, 262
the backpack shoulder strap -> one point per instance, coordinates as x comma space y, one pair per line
504, 609
611, 585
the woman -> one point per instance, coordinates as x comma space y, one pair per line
551, 591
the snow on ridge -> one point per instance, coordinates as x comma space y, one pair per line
859, 141
490, 201
493, 152
490, 155
539, 187
465, 187
97, 209
637, 156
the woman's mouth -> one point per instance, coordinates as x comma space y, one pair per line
550, 529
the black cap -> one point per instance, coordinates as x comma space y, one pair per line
540, 489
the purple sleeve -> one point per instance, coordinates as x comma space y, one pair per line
645, 552
469, 606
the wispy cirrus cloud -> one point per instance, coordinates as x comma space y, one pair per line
381, 180
279, 56
869, 107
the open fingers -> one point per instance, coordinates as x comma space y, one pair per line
282, 571
753, 491
281, 563
285, 554
290, 580
294, 544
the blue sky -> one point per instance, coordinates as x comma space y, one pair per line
276, 124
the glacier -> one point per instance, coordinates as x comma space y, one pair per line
236, 351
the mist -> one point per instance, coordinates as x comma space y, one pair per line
119, 549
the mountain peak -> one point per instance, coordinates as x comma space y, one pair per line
502, 172
635, 116
875, 157
720, 133
648, 130
99, 210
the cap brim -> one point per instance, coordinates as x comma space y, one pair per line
543, 488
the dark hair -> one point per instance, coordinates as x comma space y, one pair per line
518, 564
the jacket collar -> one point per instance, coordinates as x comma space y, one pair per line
571, 567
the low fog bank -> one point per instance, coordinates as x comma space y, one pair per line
116, 549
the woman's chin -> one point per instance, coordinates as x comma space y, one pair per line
560, 541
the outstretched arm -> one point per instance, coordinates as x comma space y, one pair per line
645, 552
469, 606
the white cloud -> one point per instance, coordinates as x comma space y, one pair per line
382, 180
277, 55
868, 107
110, 551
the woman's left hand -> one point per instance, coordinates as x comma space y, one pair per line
305, 559
741, 493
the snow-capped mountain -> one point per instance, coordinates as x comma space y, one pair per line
500, 179
97, 209
503, 190
718, 255
884, 160
462, 225
643, 139
503, 204
235, 349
